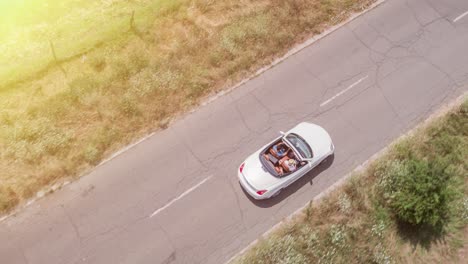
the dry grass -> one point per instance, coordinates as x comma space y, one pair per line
353, 224
57, 125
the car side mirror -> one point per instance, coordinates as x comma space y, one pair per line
282, 133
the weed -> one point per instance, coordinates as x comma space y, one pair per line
129, 107
6, 118
338, 236
308, 211
8, 198
464, 209
81, 86
97, 63
120, 70
138, 61
378, 229
91, 154
381, 256
344, 203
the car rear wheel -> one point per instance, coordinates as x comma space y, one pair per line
276, 193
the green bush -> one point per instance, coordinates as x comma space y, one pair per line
418, 191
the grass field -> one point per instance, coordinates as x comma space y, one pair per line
27, 27
114, 82
355, 224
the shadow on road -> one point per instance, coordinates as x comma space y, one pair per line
308, 178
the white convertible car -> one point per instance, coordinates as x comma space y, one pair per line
284, 160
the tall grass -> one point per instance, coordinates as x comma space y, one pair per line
58, 123
356, 224
75, 28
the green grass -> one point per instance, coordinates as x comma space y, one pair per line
357, 224
74, 27
114, 85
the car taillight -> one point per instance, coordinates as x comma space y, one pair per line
261, 192
241, 167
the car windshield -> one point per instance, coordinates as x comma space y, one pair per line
300, 145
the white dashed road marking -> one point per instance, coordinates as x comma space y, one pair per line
344, 91
460, 17
178, 198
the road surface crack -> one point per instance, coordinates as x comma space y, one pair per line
189, 149
241, 212
75, 227
168, 238
243, 119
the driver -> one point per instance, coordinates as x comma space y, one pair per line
279, 150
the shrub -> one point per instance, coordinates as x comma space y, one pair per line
417, 191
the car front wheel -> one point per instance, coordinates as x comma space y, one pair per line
324, 160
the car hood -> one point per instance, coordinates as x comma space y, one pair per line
258, 177
318, 138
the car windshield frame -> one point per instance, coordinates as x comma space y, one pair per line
298, 148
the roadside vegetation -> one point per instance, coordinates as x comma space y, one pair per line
115, 78
409, 206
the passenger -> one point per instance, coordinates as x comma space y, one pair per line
286, 164
279, 170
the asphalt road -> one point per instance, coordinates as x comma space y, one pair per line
174, 198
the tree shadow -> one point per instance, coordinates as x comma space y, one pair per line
420, 235
286, 192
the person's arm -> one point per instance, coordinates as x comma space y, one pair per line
273, 152
281, 161
279, 170
284, 165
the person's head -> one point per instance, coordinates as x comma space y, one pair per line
291, 162
282, 147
